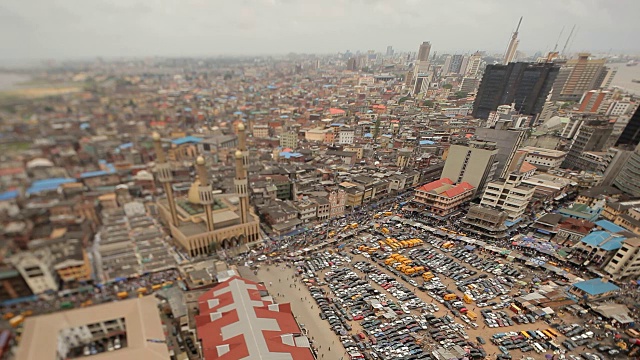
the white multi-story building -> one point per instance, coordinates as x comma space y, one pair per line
544, 159
346, 136
508, 195
617, 108
36, 267
626, 262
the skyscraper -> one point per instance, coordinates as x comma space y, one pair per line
578, 76
389, 50
524, 84
424, 51
630, 136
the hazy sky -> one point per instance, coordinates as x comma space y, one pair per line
36, 29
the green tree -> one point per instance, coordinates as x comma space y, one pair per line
428, 103
447, 86
460, 94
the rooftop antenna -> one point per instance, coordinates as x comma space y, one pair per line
567, 42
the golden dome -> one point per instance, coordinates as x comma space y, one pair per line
200, 160
238, 154
155, 136
241, 127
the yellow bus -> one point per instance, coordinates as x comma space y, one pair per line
526, 335
554, 332
548, 334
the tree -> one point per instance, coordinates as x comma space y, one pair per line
428, 103
460, 94
447, 86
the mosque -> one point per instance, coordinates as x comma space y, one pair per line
206, 220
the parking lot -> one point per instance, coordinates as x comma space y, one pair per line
419, 296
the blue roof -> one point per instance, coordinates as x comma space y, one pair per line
596, 286
604, 240
48, 184
125, 145
288, 155
368, 135
609, 226
9, 195
511, 223
426, 142
336, 124
89, 174
186, 139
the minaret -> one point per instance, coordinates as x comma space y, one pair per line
513, 45
165, 176
242, 144
205, 192
242, 187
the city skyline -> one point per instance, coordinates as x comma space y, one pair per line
38, 29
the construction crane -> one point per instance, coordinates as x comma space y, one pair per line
567, 42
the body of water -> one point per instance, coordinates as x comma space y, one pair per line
624, 76
11, 81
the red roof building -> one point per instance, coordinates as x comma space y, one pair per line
239, 320
442, 197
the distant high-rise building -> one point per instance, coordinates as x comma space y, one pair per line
524, 84
352, 64
447, 64
474, 163
424, 51
389, 50
630, 136
510, 55
474, 66
456, 63
578, 76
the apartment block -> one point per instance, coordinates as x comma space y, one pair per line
626, 262
509, 195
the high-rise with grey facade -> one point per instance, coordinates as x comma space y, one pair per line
474, 163
592, 137
508, 141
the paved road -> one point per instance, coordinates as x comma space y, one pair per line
277, 280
